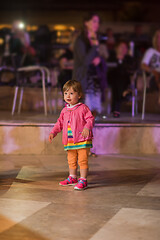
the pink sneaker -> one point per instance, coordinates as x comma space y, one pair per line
81, 185
68, 182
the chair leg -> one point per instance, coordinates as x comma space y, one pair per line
144, 104
14, 100
109, 100
136, 101
20, 100
133, 106
49, 88
56, 100
44, 92
50, 100
144, 96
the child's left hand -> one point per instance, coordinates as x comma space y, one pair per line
85, 132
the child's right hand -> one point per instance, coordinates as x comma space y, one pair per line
50, 137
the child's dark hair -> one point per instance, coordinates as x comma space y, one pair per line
121, 41
75, 85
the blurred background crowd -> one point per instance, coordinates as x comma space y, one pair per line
122, 49
47, 46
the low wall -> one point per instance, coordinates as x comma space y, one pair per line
108, 139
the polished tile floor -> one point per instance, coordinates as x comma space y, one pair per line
122, 201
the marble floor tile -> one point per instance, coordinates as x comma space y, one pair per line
122, 189
31, 173
41, 185
152, 188
121, 161
68, 221
19, 232
131, 224
13, 211
5, 223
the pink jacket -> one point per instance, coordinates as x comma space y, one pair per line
80, 117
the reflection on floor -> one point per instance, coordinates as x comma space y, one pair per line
121, 202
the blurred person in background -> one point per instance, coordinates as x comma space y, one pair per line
111, 41
20, 44
119, 75
66, 61
42, 44
89, 66
140, 40
151, 63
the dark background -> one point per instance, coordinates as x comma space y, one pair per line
69, 5
113, 10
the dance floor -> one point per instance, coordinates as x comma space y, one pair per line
122, 201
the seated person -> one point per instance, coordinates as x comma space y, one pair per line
66, 66
119, 75
151, 63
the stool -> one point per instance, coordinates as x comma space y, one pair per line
44, 73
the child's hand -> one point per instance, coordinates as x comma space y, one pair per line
85, 132
96, 61
50, 137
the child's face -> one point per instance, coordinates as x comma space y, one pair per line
122, 49
71, 97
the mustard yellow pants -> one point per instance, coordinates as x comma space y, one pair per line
80, 156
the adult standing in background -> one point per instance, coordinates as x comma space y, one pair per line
89, 67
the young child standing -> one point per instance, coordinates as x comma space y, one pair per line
76, 121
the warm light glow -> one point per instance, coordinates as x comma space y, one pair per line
72, 28
60, 27
63, 32
5, 26
58, 34
1, 41
21, 25
31, 28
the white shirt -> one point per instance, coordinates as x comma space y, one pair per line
152, 58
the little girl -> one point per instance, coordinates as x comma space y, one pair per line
77, 122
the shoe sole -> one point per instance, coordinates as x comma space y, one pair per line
80, 189
72, 184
